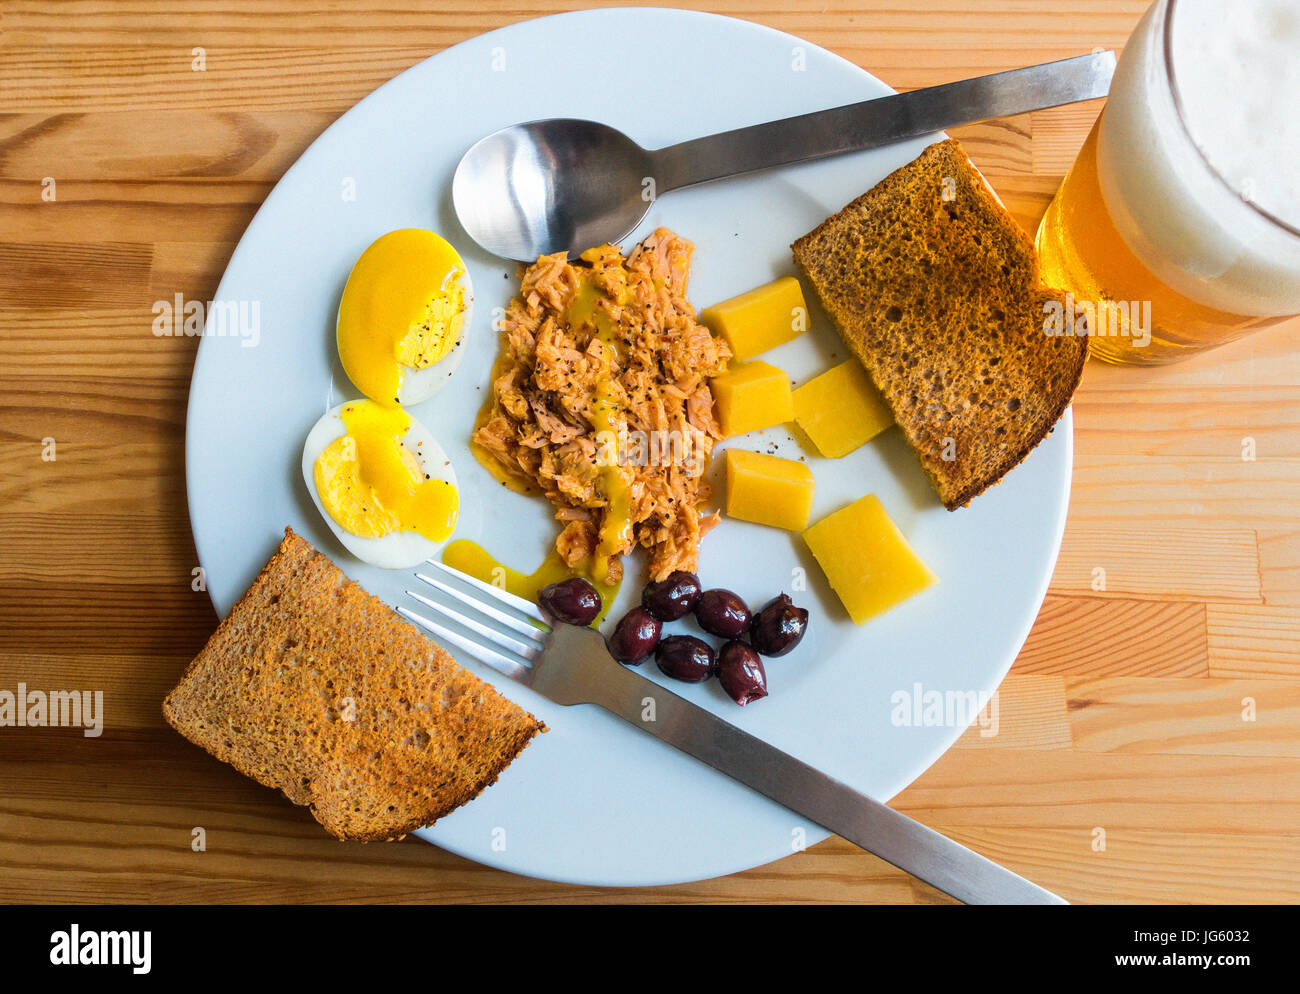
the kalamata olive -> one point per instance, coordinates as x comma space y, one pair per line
778, 628
722, 613
684, 657
635, 636
672, 597
741, 673
573, 601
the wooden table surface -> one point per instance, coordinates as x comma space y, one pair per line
1149, 742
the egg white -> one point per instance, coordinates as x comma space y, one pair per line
396, 550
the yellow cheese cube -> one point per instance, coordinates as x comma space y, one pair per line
866, 559
751, 396
841, 410
768, 490
762, 319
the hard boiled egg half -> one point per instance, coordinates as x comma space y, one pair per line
382, 482
403, 316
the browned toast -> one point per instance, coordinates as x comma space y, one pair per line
314, 686
935, 288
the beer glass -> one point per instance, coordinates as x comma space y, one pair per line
1178, 227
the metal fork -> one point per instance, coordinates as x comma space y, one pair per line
570, 665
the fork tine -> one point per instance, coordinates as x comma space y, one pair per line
500, 662
528, 650
504, 596
511, 621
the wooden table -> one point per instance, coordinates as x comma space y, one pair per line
1159, 715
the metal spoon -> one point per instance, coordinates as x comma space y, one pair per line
564, 185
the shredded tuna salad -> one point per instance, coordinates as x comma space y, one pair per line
600, 397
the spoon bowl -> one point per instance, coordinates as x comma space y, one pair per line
550, 186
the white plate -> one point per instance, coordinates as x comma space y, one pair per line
595, 801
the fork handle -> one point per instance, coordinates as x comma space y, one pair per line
895, 838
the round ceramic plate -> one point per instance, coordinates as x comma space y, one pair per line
595, 801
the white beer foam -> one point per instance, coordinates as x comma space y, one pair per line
1187, 224
1238, 72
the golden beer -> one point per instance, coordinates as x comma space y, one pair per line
1081, 250
1148, 234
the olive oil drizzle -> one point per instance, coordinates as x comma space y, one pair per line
607, 418
474, 560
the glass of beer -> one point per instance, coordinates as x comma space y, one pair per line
1178, 227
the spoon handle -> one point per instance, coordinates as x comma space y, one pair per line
882, 121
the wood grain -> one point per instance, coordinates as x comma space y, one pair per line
1155, 706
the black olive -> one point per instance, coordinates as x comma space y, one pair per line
684, 657
573, 601
741, 673
672, 597
722, 613
779, 627
635, 636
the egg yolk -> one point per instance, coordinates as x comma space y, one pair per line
372, 485
403, 306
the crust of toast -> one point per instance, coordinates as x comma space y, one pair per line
321, 690
936, 290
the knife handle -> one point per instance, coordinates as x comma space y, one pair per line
579, 669
882, 121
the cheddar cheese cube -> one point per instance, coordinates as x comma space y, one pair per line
750, 396
866, 559
761, 319
841, 410
768, 490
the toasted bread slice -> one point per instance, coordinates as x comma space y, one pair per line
317, 688
935, 288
